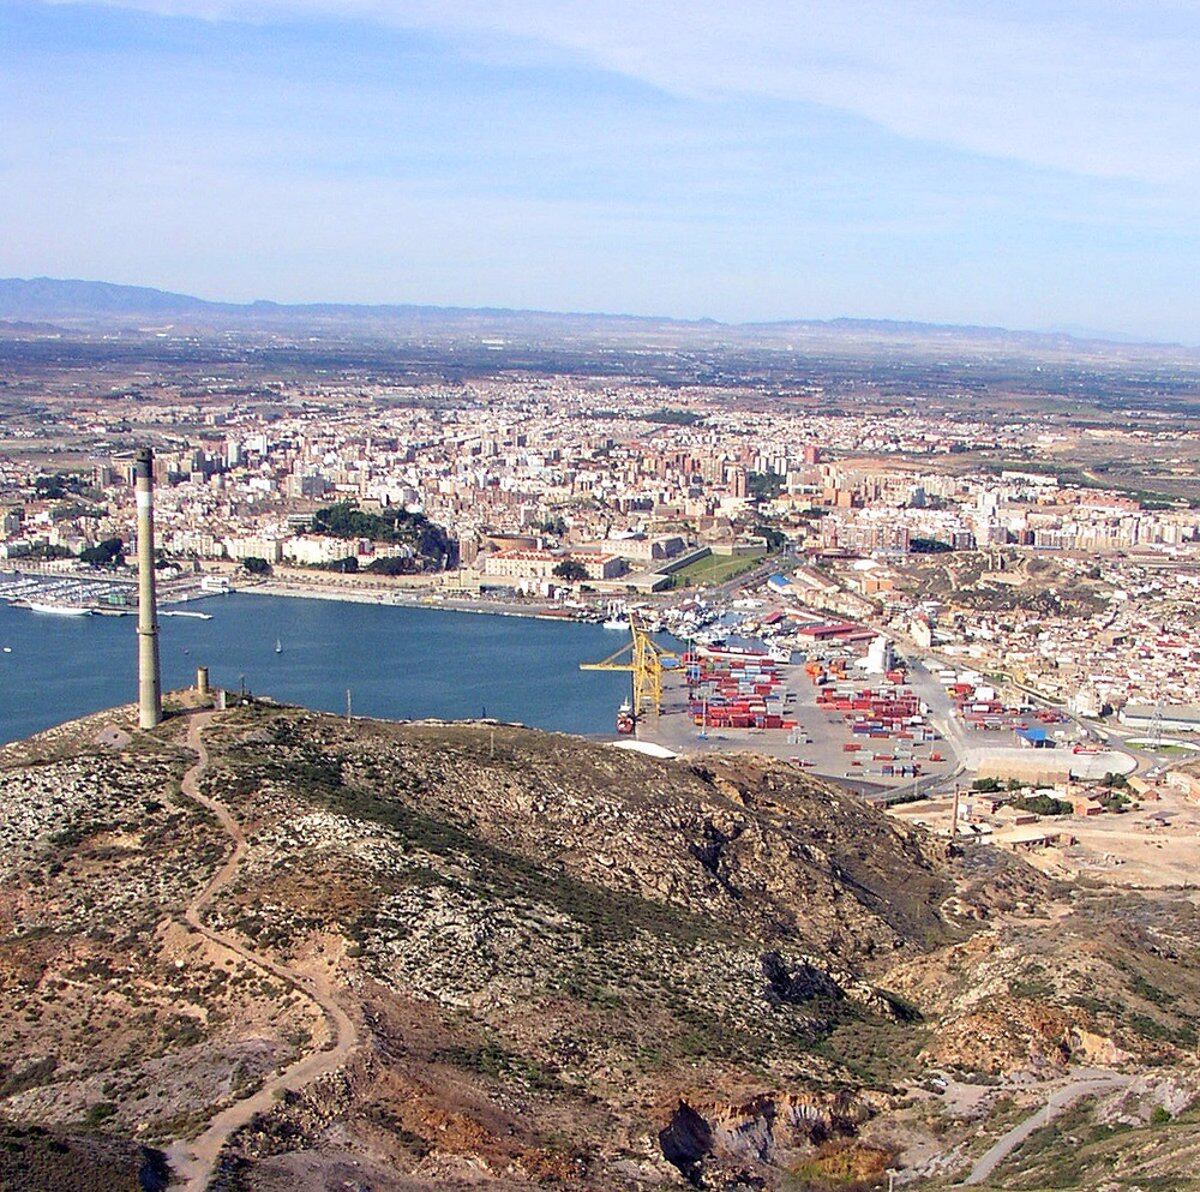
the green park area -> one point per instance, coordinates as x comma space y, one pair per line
714, 569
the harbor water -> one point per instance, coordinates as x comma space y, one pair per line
398, 663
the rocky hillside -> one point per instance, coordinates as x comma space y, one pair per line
528, 959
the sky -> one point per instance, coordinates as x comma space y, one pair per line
1026, 163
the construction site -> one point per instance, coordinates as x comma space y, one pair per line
1145, 835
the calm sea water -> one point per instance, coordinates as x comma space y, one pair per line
398, 662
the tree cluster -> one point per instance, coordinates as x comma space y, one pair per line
571, 570
103, 554
347, 520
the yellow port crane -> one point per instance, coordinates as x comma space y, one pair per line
643, 658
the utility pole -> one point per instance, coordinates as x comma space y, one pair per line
349, 707
1156, 729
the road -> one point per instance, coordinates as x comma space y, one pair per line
1085, 1084
194, 1162
951, 726
942, 717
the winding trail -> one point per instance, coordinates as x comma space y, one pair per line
1060, 1099
194, 1162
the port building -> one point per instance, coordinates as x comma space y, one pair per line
1175, 718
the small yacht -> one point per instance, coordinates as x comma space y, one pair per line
59, 610
617, 617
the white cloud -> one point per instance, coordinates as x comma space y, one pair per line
1100, 87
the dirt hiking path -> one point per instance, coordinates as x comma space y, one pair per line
193, 1162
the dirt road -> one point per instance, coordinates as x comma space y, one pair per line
193, 1162
1085, 1084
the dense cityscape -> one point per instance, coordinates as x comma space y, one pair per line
549, 489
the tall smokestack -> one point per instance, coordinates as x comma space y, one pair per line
149, 680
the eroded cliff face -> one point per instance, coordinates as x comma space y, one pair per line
565, 963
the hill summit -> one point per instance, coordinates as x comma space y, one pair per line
266, 948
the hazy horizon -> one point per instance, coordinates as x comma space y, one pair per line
936, 162
1082, 333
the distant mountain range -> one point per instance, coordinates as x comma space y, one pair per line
54, 298
35, 300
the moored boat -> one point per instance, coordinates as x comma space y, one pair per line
625, 720
56, 610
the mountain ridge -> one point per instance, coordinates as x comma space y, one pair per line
565, 964
75, 298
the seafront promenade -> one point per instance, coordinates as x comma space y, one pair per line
422, 598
